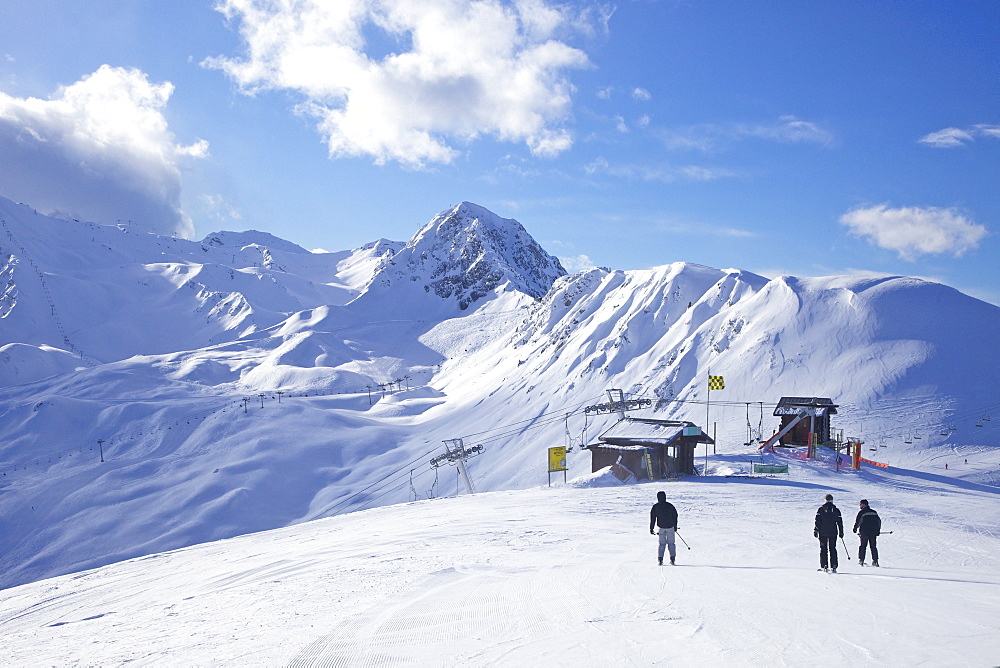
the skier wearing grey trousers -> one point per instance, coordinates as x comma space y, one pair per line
663, 516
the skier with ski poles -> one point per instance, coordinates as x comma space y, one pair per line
663, 516
829, 525
868, 526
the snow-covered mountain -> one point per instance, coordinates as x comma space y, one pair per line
461, 256
242, 383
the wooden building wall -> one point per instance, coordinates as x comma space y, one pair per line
799, 435
665, 460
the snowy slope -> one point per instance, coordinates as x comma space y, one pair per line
560, 576
106, 293
240, 383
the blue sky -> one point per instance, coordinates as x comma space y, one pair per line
778, 137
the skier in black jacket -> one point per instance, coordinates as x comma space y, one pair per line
664, 516
829, 526
868, 526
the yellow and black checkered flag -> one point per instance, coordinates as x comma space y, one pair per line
716, 383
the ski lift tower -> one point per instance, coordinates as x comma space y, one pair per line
455, 453
617, 403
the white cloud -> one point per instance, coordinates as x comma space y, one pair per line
789, 129
217, 207
913, 231
620, 124
786, 130
605, 93
661, 173
946, 138
952, 137
641, 94
456, 70
99, 149
576, 263
992, 131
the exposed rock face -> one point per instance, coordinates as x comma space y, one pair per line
466, 252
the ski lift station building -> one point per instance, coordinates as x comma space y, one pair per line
649, 449
809, 414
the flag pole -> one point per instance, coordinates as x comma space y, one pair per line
708, 402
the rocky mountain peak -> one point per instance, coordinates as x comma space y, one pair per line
466, 252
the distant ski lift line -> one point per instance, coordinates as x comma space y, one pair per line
323, 513
550, 417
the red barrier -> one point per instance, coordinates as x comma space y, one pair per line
878, 464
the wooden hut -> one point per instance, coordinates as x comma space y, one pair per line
649, 449
810, 414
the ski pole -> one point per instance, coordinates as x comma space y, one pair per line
846, 551
682, 539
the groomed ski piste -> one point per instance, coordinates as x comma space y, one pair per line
561, 575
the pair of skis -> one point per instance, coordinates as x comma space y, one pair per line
834, 570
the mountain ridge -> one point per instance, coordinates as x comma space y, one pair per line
226, 390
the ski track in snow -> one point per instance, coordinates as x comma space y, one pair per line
558, 576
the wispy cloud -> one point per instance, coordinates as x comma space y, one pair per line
983, 130
440, 84
915, 231
952, 137
661, 173
711, 136
641, 94
217, 207
656, 223
99, 149
576, 263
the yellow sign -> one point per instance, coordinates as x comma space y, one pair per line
716, 383
557, 459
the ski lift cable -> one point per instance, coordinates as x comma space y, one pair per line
377, 492
702, 402
400, 482
969, 415
405, 467
514, 432
372, 499
561, 411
